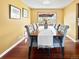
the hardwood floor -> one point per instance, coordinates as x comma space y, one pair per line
71, 51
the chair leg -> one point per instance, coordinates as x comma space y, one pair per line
49, 53
30, 49
62, 50
29, 53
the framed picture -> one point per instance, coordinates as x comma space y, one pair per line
24, 13
14, 12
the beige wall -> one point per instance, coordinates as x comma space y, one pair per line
11, 29
59, 12
70, 19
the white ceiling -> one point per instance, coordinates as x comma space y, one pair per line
52, 4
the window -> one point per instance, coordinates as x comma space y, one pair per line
50, 17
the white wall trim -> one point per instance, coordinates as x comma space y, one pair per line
6, 51
71, 38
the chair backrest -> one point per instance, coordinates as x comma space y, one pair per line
45, 39
30, 27
40, 27
58, 27
35, 27
54, 26
65, 28
28, 33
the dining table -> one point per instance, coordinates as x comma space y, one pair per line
35, 33
34, 36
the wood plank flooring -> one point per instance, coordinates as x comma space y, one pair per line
71, 51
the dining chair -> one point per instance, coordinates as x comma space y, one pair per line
54, 26
45, 39
58, 27
35, 27
40, 27
30, 27
31, 41
59, 40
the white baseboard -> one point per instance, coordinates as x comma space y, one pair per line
77, 40
71, 38
6, 51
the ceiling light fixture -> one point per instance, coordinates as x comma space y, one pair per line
46, 2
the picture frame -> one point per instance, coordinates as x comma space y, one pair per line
14, 12
24, 13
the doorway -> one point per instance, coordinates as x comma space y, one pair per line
78, 21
